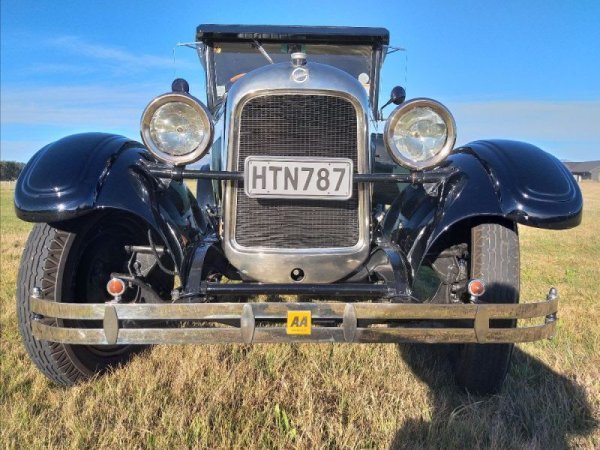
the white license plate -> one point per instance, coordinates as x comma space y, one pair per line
287, 177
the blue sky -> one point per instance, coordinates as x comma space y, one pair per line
527, 70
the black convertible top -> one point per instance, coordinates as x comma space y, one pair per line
209, 33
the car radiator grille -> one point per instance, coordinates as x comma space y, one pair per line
297, 125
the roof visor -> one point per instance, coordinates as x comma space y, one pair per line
291, 33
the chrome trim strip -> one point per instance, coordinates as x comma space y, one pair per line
271, 335
276, 310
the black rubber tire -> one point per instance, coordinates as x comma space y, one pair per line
481, 368
50, 262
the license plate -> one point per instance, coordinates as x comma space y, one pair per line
299, 322
284, 177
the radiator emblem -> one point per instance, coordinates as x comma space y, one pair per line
300, 75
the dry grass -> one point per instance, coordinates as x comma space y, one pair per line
324, 396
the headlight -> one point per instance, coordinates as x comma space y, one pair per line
420, 133
177, 128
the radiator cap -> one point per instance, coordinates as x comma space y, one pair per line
298, 59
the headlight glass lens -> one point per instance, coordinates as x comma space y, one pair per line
178, 129
420, 134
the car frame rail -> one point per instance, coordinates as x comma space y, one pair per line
262, 322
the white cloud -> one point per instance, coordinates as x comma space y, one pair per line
59, 68
34, 117
93, 106
100, 91
31, 118
559, 121
114, 56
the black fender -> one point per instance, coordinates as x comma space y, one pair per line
490, 180
90, 172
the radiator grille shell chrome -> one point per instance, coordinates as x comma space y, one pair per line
305, 126
338, 254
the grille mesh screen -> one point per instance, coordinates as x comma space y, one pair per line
297, 125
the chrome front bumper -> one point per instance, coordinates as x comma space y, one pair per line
262, 322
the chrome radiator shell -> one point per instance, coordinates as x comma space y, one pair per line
274, 265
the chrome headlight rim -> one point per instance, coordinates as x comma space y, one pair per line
399, 112
145, 131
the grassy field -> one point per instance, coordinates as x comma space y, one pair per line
324, 396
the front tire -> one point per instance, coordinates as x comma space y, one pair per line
482, 368
72, 266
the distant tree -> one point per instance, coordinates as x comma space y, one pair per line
10, 170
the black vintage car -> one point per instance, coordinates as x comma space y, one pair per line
303, 196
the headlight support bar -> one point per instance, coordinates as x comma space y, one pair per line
179, 173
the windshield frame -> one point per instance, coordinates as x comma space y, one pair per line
206, 55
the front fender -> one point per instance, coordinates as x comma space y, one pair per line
533, 187
491, 180
91, 172
63, 180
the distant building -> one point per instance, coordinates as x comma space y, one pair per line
587, 170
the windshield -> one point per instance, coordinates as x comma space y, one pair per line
232, 60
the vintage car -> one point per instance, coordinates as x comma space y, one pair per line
307, 195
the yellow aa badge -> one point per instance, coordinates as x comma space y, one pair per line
298, 322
